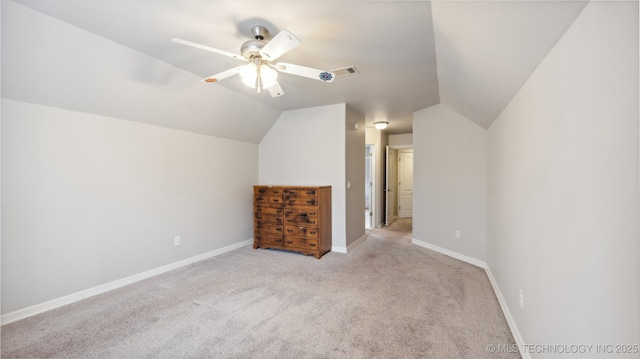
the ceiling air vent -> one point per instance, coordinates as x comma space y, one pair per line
350, 70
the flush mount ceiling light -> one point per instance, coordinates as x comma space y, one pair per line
380, 125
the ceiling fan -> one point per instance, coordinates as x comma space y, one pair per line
261, 73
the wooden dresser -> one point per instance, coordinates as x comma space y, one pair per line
293, 218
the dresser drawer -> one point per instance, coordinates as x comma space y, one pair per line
267, 190
304, 243
301, 201
302, 192
261, 239
262, 227
273, 200
301, 221
301, 211
267, 209
301, 231
269, 218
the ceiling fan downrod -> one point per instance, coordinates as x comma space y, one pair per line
259, 32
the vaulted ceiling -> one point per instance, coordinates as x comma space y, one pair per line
472, 56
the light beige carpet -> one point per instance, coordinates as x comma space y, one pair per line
385, 299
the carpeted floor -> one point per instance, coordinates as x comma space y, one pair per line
385, 299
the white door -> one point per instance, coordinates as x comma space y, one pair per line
405, 182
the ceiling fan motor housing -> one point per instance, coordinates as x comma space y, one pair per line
252, 48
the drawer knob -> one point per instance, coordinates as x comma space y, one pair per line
312, 232
312, 244
290, 242
289, 230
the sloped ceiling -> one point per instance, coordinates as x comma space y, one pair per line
486, 50
115, 58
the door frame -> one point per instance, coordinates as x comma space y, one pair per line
388, 219
373, 203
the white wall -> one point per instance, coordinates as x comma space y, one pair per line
89, 199
450, 174
404, 139
307, 147
563, 187
377, 138
355, 173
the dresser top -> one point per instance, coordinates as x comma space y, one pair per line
285, 186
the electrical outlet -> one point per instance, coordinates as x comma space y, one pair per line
521, 299
457, 234
176, 241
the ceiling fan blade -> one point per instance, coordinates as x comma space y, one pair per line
207, 48
222, 75
279, 45
315, 74
275, 90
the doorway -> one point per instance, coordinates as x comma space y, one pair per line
399, 183
405, 183
369, 179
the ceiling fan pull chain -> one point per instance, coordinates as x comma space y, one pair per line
258, 80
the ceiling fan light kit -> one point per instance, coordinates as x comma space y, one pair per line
380, 125
261, 73
258, 75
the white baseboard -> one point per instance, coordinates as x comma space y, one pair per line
358, 242
503, 304
349, 248
450, 253
507, 314
339, 249
74, 297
